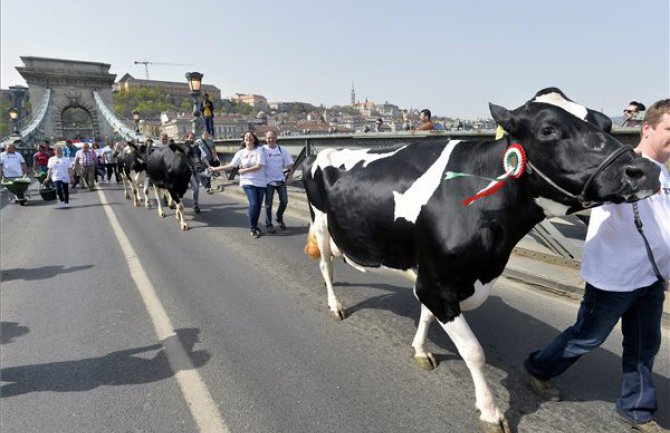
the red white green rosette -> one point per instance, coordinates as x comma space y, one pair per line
514, 164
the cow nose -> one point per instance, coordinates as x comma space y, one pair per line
634, 173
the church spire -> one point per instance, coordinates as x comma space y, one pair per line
353, 94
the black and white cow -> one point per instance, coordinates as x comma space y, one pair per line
170, 169
397, 208
132, 165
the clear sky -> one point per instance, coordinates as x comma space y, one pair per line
450, 56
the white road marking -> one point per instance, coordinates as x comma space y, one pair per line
197, 396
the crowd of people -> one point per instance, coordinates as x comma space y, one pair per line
261, 169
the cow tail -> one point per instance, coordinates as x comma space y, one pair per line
312, 248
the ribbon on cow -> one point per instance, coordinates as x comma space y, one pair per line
514, 164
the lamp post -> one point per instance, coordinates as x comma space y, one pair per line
136, 119
194, 84
13, 121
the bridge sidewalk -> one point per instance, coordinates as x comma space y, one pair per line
531, 262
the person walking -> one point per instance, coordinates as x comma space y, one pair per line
70, 152
209, 156
278, 159
86, 160
58, 172
99, 166
108, 158
40, 160
13, 164
251, 162
627, 285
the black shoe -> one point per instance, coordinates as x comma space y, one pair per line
270, 229
196, 209
256, 233
282, 225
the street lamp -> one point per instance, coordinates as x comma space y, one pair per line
13, 121
194, 84
136, 119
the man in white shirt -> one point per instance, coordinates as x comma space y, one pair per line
13, 164
277, 159
626, 276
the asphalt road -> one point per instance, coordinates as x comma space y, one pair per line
81, 351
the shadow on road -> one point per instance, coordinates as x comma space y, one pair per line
39, 273
11, 330
508, 336
117, 368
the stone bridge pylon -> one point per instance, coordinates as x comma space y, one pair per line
71, 99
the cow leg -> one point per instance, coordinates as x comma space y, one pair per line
136, 193
423, 358
125, 179
147, 201
320, 228
159, 204
180, 216
491, 419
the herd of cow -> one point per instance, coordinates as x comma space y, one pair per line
167, 169
399, 208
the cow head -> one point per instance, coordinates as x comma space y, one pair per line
572, 160
191, 152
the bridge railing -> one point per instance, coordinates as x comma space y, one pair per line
314, 142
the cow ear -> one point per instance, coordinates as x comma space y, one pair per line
503, 117
601, 120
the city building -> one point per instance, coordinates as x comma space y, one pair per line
176, 89
258, 102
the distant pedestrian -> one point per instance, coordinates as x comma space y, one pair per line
277, 159
109, 162
99, 166
426, 123
85, 163
40, 160
69, 152
207, 110
251, 163
378, 125
209, 157
633, 114
13, 164
58, 172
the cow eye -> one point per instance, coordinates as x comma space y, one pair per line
547, 131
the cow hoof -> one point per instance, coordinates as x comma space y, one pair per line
501, 426
427, 362
184, 227
337, 315
161, 214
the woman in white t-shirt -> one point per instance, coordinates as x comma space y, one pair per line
251, 162
59, 173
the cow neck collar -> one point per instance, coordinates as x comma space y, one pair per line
581, 197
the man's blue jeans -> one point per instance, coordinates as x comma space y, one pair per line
640, 312
255, 197
209, 125
269, 198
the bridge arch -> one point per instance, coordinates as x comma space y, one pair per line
71, 84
